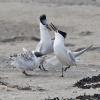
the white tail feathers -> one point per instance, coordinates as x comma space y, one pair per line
76, 54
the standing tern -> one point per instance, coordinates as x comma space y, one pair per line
65, 56
28, 60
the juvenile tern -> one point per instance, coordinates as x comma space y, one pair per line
27, 61
65, 56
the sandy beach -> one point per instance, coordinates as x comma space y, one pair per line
19, 27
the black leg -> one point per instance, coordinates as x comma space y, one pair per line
62, 72
67, 68
42, 68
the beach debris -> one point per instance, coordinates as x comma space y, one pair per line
87, 83
55, 98
88, 97
80, 97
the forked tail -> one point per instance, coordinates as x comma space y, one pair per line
76, 54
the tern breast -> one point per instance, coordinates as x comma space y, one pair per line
62, 54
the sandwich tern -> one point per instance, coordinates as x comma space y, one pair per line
28, 60
65, 56
45, 46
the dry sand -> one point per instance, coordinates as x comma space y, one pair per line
19, 23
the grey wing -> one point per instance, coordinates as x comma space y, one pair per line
72, 57
39, 47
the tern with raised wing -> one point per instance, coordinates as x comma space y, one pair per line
45, 46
